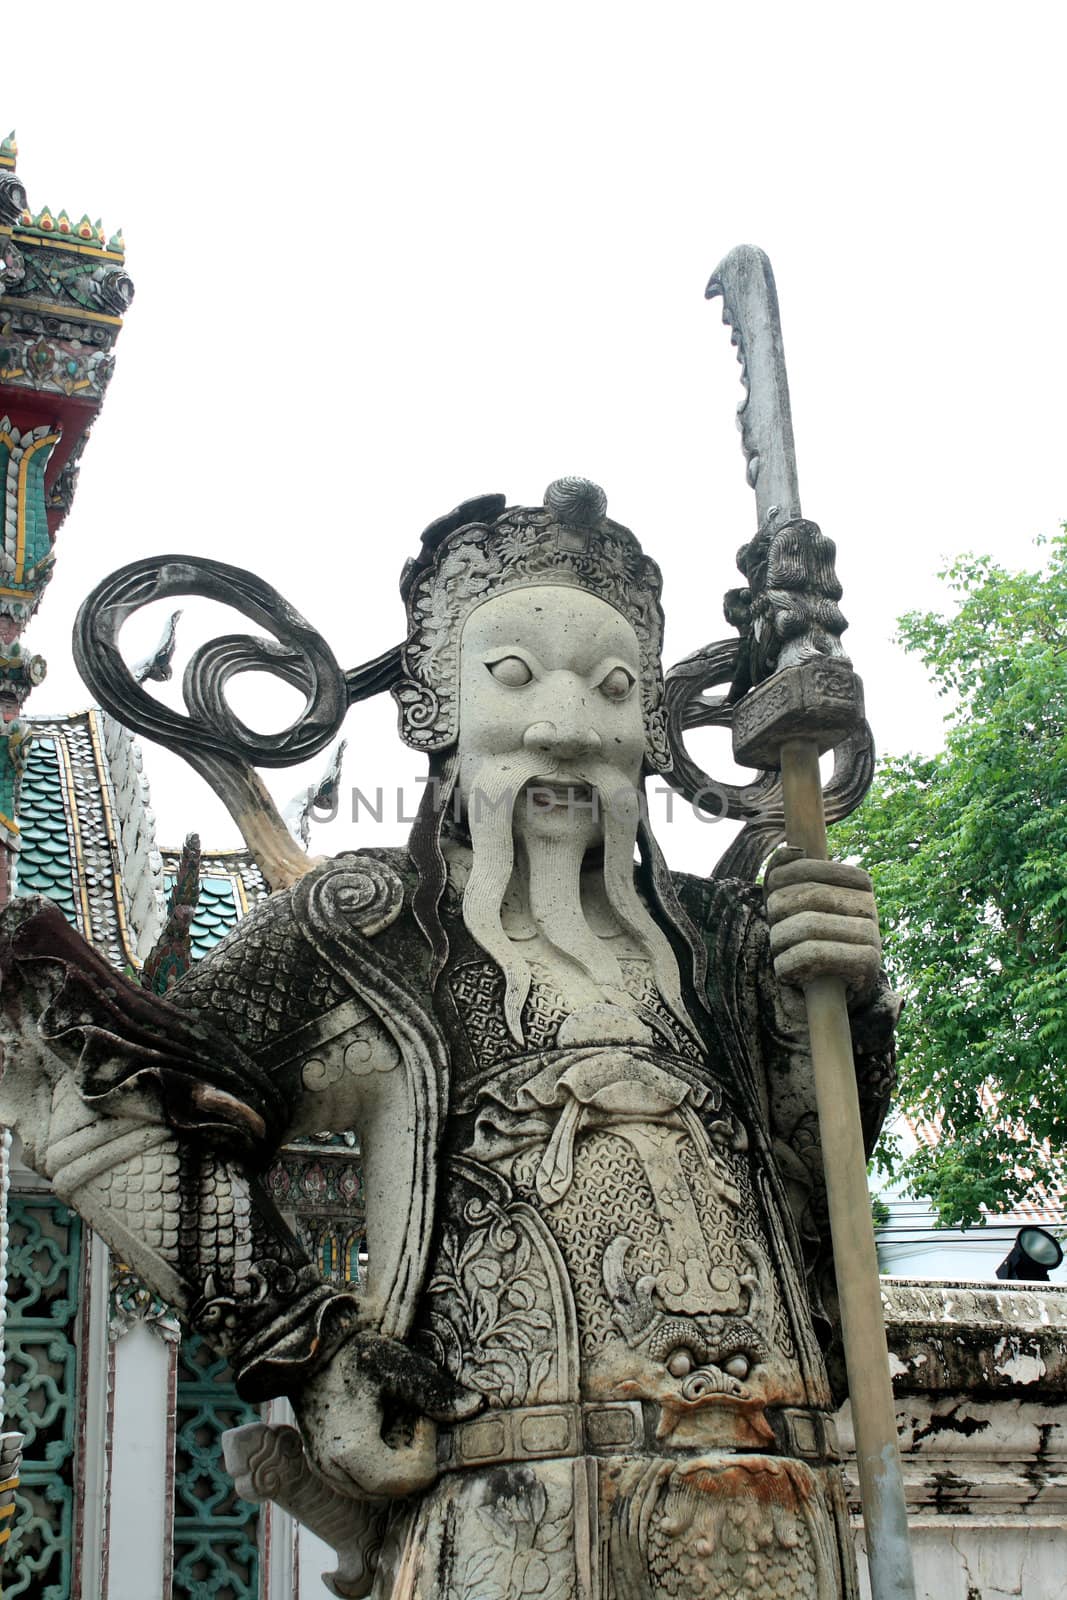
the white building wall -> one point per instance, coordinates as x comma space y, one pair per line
313, 1559
142, 1466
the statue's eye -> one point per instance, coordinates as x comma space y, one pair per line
617, 684
510, 670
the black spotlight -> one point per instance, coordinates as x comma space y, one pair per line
1032, 1257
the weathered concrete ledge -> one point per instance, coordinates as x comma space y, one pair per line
979, 1337
980, 1375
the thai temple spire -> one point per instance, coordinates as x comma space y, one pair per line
63, 292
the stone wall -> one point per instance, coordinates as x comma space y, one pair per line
980, 1375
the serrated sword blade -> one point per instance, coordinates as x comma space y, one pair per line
745, 281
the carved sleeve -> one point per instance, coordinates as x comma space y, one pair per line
152, 1117
152, 1123
329, 1009
787, 1055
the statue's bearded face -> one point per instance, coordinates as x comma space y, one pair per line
549, 696
551, 747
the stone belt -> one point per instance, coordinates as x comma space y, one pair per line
607, 1427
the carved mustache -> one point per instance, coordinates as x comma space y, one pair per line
582, 786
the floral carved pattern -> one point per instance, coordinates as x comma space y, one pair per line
133, 1303
525, 1553
490, 1317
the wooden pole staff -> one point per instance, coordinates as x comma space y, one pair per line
808, 700
789, 721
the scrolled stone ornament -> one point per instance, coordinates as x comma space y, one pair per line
299, 656
577, 502
212, 738
420, 711
757, 804
108, 289
363, 894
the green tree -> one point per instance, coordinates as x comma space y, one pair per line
968, 851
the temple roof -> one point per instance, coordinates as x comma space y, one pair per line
45, 226
86, 833
88, 842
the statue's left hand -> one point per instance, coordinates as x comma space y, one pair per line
824, 922
372, 1387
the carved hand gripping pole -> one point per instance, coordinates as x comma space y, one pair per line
797, 696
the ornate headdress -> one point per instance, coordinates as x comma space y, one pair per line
484, 548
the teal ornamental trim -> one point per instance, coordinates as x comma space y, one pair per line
44, 1286
216, 1553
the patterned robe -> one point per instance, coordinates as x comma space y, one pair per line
626, 1262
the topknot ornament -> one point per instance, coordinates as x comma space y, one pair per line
577, 502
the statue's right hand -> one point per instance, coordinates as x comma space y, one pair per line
367, 1417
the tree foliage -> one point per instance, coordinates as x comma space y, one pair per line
968, 851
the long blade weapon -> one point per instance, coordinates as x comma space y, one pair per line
797, 696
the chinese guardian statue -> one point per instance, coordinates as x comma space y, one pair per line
588, 1358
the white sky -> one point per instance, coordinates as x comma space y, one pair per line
388, 257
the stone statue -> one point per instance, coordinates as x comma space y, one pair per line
588, 1357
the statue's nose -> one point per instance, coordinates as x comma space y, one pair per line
566, 742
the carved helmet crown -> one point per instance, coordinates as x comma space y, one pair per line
485, 547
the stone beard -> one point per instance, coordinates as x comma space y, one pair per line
549, 778
584, 1362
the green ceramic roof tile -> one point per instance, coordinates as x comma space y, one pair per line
216, 912
44, 864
